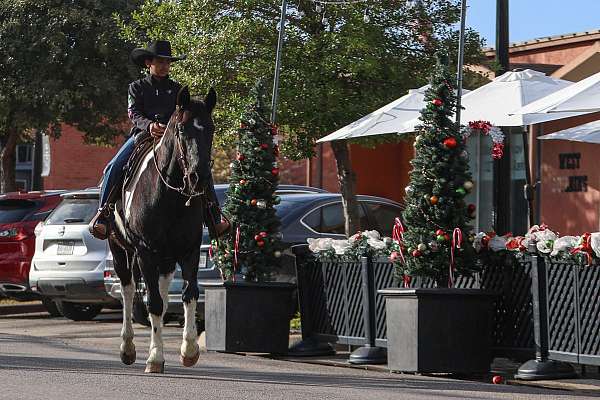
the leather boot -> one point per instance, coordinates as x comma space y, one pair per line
98, 226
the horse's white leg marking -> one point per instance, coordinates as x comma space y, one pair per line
189, 346
156, 343
127, 293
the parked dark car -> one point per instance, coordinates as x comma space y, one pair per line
20, 212
304, 214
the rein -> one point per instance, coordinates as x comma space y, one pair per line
187, 180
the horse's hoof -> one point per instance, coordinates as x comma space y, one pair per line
155, 368
127, 359
189, 361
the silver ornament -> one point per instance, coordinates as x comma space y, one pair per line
422, 247
468, 185
261, 204
277, 253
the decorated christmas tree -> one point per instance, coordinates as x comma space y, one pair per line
254, 245
436, 216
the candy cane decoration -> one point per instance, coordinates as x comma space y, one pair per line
236, 248
456, 242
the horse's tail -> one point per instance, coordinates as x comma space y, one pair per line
134, 266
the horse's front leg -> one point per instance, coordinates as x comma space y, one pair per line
190, 351
127, 349
158, 296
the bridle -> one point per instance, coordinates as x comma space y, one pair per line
185, 189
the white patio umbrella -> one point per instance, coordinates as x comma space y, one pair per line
399, 116
586, 133
496, 101
582, 97
391, 118
506, 93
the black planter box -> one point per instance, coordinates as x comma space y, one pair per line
439, 330
248, 317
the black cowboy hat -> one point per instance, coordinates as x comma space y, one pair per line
158, 48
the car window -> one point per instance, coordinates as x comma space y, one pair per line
383, 216
330, 219
73, 211
16, 210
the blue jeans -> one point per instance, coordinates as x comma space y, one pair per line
113, 172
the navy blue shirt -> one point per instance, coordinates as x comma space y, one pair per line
150, 100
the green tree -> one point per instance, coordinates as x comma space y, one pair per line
439, 182
62, 62
336, 67
250, 198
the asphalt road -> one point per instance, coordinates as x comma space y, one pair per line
53, 358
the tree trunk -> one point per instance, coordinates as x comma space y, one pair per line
347, 180
7, 162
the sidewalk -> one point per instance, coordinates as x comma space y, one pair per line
587, 383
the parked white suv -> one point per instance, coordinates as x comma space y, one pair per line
68, 264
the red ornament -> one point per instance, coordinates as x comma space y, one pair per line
450, 142
243, 126
257, 237
437, 102
240, 157
394, 256
242, 181
497, 379
253, 202
260, 243
440, 232
447, 237
471, 208
274, 130
433, 200
263, 234
416, 253
264, 146
275, 171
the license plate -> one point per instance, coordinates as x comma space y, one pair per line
65, 248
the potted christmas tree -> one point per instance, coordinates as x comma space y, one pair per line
440, 329
248, 312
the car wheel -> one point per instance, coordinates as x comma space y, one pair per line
140, 312
51, 306
78, 311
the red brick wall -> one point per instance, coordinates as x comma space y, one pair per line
74, 164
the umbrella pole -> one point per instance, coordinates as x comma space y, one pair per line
461, 57
282, 22
527, 189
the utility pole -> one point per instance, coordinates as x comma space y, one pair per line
502, 167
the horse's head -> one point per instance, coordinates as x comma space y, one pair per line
193, 136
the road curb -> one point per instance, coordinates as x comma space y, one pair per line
16, 309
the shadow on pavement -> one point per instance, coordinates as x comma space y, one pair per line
228, 374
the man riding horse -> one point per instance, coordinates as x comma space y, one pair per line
151, 101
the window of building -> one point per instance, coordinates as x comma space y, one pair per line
24, 153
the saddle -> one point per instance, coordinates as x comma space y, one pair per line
142, 149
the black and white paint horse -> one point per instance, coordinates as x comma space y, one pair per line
164, 208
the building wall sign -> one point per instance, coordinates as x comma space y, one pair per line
572, 161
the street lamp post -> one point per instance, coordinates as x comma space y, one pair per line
282, 21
